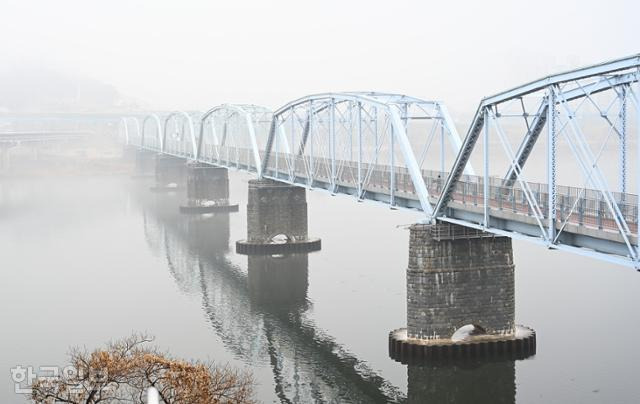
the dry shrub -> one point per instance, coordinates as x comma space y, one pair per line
125, 369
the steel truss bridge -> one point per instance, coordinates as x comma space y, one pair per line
393, 149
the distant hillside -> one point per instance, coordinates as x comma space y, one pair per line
44, 90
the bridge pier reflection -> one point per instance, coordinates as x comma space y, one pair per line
491, 383
208, 235
279, 281
259, 314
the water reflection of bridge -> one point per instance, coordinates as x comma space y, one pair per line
260, 317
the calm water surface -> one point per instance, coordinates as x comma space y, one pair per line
85, 260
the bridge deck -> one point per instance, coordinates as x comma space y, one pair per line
583, 220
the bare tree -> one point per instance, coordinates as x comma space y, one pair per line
125, 369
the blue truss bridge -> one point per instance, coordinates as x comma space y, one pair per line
407, 153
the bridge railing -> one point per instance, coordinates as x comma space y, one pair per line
575, 206
448, 231
229, 156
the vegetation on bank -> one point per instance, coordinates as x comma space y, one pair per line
123, 370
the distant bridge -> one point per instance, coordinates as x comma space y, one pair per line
19, 137
374, 146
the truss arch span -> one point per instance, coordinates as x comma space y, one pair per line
234, 135
368, 144
151, 141
183, 139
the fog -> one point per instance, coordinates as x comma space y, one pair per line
190, 55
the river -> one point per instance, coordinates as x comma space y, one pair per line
90, 258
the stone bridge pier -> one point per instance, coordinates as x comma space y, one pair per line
276, 220
169, 173
460, 297
207, 190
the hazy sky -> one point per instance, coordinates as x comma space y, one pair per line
196, 54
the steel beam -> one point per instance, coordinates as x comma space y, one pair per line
551, 165
485, 170
529, 141
577, 74
622, 141
460, 163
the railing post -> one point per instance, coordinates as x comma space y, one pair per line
464, 193
581, 208
475, 193
599, 212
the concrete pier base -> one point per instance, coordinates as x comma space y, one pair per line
207, 190
169, 173
521, 345
276, 220
460, 297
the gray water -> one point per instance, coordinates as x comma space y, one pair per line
89, 259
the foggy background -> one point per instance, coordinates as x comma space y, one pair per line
191, 55
82, 235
